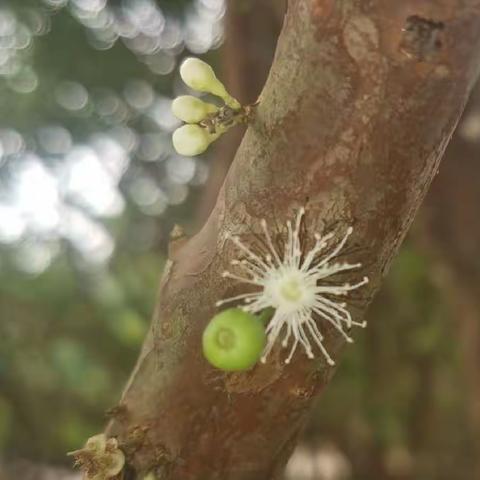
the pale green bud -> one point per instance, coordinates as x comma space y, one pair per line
191, 140
200, 76
191, 109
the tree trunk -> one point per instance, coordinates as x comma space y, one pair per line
360, 103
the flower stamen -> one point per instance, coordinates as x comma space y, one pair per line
293, 283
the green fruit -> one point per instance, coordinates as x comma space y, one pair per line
234, 340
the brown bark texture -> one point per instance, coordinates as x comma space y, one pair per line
360, 103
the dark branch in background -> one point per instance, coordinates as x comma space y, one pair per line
360, 103
251, 29
452, 235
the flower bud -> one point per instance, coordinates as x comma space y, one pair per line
191, 109
200, 76
191, 140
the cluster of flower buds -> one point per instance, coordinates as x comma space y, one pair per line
205, 122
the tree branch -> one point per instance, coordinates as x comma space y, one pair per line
359, 105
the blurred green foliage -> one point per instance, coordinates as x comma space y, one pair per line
398, 405
70, 333
68, 342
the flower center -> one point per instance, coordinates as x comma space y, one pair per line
291, 290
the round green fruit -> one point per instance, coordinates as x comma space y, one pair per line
234, 340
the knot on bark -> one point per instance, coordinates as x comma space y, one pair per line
422, 38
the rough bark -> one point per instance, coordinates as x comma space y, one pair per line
359, 105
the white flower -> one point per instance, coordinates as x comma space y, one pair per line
297, 285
